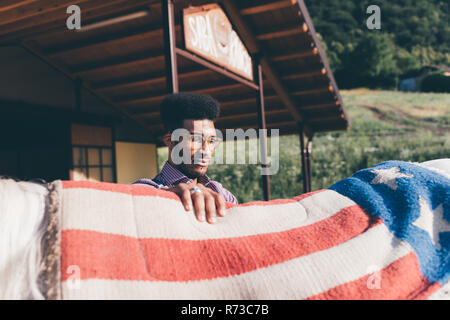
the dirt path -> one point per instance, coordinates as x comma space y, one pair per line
425, 124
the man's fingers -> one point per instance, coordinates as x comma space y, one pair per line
186, 199
210, 205
220, 204
199, 205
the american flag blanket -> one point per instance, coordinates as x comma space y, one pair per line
383, 233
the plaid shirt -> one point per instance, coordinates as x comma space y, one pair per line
170, 176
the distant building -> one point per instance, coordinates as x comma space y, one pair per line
414, 83
409, 84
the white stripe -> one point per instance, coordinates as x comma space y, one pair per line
157, 217
442, 294
294, 279
441, 166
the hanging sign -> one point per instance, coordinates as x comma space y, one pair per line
209, 33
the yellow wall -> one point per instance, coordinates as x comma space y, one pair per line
135, 161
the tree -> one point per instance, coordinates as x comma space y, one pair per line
332, 55
371, 63
406, 61
415, 32
374, 55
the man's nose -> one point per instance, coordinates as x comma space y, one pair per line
206, 152
207, 147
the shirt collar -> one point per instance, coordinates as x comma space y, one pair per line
171, 175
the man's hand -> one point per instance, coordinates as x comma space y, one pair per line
207, 204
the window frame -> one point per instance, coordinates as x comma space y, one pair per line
101, 166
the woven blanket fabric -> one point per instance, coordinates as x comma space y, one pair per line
381, 234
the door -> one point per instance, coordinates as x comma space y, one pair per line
36, 147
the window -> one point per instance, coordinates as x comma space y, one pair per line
92, 150
93, 163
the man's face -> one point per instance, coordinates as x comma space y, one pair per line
201, 150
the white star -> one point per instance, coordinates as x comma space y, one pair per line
389, 176
433, 222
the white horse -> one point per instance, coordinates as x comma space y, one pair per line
22, 227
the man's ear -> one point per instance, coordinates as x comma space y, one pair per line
167, 139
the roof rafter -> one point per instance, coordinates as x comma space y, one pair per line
116, 39
11, 4
282, 32
151, 79
49, 23
208, 90
267, 7
295, 55
28, 9
118, 62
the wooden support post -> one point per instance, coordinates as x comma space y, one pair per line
169, 46
262, 138
308, 162
303, 151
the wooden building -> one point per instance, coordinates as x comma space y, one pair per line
84, 103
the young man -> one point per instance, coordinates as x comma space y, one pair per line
196, 114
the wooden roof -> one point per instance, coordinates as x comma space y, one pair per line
123, 63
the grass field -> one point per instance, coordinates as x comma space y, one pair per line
385, 125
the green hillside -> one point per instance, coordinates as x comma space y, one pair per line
385, 125
413, 33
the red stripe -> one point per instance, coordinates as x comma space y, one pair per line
135, 190
401, 280
279, 201
139, 190
111, 256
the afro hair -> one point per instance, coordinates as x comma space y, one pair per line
180, 106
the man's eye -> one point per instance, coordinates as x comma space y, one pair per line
197, 139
